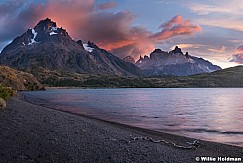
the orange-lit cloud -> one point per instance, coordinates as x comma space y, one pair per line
221, 50
239, 49
175, 27
87, 20
238, 56
175, 20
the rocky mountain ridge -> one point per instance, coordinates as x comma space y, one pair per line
50, 47
174, 63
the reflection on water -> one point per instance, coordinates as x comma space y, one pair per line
212, 114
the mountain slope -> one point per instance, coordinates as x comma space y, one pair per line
18, 80
230, 77
174, 63
50, 47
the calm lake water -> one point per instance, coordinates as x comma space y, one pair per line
214, 114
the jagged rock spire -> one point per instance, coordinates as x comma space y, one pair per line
176, 50
157, 51
48, 23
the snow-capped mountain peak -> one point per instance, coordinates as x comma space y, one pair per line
45, 31
50, 47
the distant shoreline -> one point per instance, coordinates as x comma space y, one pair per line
72, 87
30, 132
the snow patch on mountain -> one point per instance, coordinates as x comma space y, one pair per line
87, 48
32, 41
53, 33
53, 28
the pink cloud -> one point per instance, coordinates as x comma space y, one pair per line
106, 5
175, 20
175, 27
239, 49
238, 56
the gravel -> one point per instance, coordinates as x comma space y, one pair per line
31, 133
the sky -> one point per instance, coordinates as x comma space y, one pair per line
210, 29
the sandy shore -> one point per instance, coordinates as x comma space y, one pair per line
31, 133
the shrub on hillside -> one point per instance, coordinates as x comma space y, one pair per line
2, 104
5, 92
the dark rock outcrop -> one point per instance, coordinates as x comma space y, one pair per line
129, 59
177, 50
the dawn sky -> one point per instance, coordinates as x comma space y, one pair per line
210, 29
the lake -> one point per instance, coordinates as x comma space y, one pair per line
214, 114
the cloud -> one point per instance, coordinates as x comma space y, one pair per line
204, 9
138, 40
240, 49
188, 46
221, 50
224, 7
238, 56
106, 5
10, 25
224, 14
135, 49
229, 23
176, 20
3, 44
87, 20
175, 27
207, 7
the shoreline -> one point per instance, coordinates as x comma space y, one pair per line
73, 87
112, 141
157, 132
36, 101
